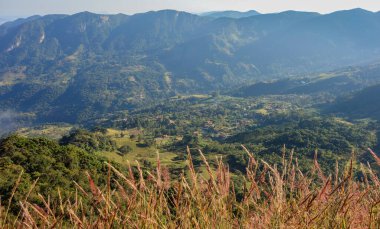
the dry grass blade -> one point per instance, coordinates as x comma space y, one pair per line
40, 212
318, 167
158, 171
141, 180
94, 190
323, 193
11, 198
249, 154
193, 174
119, 174
377, 159
208, 169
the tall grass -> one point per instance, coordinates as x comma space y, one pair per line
273, 196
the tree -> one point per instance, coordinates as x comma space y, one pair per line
125, 149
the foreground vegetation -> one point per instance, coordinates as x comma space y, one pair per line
272, 196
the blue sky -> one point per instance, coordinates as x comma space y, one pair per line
32, 7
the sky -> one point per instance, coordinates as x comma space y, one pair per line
22, 8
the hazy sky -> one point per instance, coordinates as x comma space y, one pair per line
32, 7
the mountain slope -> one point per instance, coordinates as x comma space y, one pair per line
55, 166
322, 42
364, 104
337, 83
74, 68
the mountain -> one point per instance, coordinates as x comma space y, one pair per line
7, 24
326, 41
339, 82
231, 14
72, 68
3, 20
363, 104
6, 19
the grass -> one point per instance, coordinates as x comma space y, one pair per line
344, 122
272, 196
262, 112
195, 96
50, 131
138, 153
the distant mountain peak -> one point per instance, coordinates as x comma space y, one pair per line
86, 14
353, 11
296, 12
359, 10
231, 14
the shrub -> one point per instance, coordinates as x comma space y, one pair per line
125, 149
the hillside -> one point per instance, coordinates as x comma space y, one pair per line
336, 83
55, 166
73, 68
363, 104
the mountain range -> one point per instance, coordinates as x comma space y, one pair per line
76, 67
